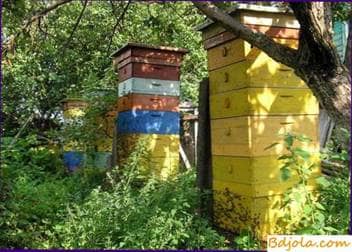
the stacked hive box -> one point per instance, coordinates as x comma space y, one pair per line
254, 99
148, 104
74, 156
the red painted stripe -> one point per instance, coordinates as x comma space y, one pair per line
148, 102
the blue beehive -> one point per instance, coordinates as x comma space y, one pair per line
148, 122
73, 160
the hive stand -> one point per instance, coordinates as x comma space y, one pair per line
254, 99
148, 99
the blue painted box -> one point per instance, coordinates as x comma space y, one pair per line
74, 159
148, 122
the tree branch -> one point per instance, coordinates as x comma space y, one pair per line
118, 20
38, 15
76, 26
278, 52
315, 34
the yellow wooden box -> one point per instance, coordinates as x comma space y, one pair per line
74, 146
263, 101
253, 73
235, 213
104, 144
164, 167
238, 50
253, 170
157, 167
252, 135
259, 190
255, 18
155, 144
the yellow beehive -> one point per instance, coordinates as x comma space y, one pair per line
74, 107
263, 101
250, 136
254, 101
160, 152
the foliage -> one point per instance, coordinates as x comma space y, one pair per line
247, 240
299, 201
35, 191
161, 214
44, 62
306, 212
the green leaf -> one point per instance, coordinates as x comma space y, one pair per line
271, 146
284, 157
307, 209
302, 153
303, 138
289, 140
285, 173
323, 182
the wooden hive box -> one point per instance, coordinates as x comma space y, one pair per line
148, 102
254, 100
145, 61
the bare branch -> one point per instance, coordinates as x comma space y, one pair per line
76, 25
118, 21
278, 52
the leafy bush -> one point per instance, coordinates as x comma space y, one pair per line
160, 214
35, 191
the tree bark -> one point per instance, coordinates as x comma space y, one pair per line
316, 61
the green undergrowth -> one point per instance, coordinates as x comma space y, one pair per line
43, 206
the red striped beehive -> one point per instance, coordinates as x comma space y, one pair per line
148, 101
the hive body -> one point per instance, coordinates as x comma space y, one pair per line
148, 103
254, 100
74, 155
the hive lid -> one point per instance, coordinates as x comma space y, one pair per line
248, 7
141, 45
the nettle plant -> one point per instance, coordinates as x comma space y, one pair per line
301, 211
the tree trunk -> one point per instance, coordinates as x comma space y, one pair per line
316, 61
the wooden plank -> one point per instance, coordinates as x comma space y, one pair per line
253, 170
271, 31
235, 213
158, 167
135, 59
253, 73
149, 86
146, 70
238, 50
259, 190
263, 101
204, 171
250, 136
269, 19
277, 20
156, 145
148, 122
148, 102
150, 54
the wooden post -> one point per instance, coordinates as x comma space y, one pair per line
204, 171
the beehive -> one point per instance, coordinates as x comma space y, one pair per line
254, 100
148, 90
73, 156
